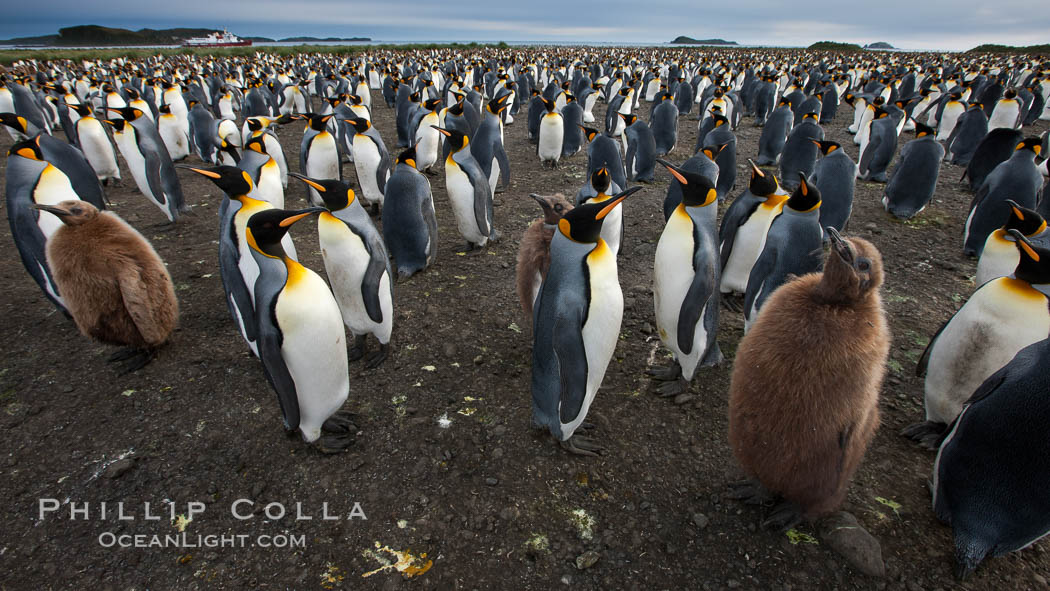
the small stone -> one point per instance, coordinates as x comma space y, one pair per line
700, 520
1039, 579
499, 430
733, 584
67, 388
587, 560
492, 481
479, 360
119, 468
683, 398
510, 513
449, 350
843, 534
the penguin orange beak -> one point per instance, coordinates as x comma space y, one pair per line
288, 221
755, 168
201, 171
1025, 245
673, 170
442, 130
320, 188
616, 201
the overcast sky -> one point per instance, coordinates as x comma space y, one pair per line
928, 24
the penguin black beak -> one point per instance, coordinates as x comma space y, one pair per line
538, 199
52, 209
840, 246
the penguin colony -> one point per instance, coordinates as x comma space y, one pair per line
451, 112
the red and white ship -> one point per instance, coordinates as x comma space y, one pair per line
217, 39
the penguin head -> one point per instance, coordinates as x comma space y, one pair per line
922, 130
80, 108
720, 120
1033, 144
407, 156
628, 119
762, 184
256, 144
267, 227
806, 197
697, 189
1025, 220
432, 104
498, 104
131, 113
72, 212
316, 122
853, 268
27, 149
547, 104
554, 207
590, 132
232, 180
336, 194
14, 121
1010, 94
712, 151
826, 146
360, 125
584, 223
880, 113
1034, 265
456, 139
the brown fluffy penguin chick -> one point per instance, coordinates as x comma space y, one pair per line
113, 282
803, 401
534, 253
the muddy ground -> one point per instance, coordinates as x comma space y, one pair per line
490, 503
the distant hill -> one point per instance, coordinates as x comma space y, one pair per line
879, 45
98, 36
682, 39
323, 39
834, 46
992, 48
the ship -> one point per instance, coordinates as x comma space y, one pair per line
217, 39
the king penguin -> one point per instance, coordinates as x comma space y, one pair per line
702, 163
774, 134
913, 182
550, 136
685, 282
409, 223
1000, 256
800, 151
612, 223
603, 150
742, 234
148, 159
1016, 178
576, 325
302, 343
468, 191
1003, 315
264, 173
640, 160
835, 176
358, 267
319, 153
993, 469
94, 142
371, 161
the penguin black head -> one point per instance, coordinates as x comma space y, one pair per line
762, 184
267, 227
232, 180
360, 125
316, 122
712, 151
80, 108
590, 132
72, 212
1027, 221
1034, 265
498, 104
584, 223
1031, 143
1010, 94
14, 121
720, 120
131, 113
336, 194
255, 123
547, 104
601, 180
27, 149
132, 93
256, 144
880, 113
628, 119
923, 130
432, 104
407, 156
826, 146
554, 207
697, 189
806, 197
853, 268
456, 139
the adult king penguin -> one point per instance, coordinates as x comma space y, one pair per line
358, 266
371, 161
576, 324
685, 282
147, 157
409, 224
468, 192
1000, 255
911, 186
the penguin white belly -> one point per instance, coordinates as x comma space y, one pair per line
461, 195
747, 246
273, 148
998, 259
96, 147
860, 107
612, 229
1004, 115
175, 139
601, 331
322, 161
864, 131
346, 260
672, 276
949, 118
494, 175
427, 142
551, 134
1000, 318
314, 348
136, 164
588, 105
366, 162
226, 109
269, 188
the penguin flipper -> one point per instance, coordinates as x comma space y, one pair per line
504, 166
267, 288
378, 264
482, 202
32, 247
628, 163
924, 359
731, 223
572, 363
702, 291
153, 172
869, 153
233, 284
759, 273
426, 207
304, 150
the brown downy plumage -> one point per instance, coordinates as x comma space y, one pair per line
534, 253
113, 282
803, 402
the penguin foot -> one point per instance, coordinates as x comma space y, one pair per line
340, 422
164, 227
673, 389
581, 446
135, 359
333, 443
376, 359
751, 492
358, 350
784, 516
733, 302
666, 374
927, 433
495, 235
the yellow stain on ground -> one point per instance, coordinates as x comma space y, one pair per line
331, 577
407, 564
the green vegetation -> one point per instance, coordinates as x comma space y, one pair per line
834, 46
1043, 49
690, 41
